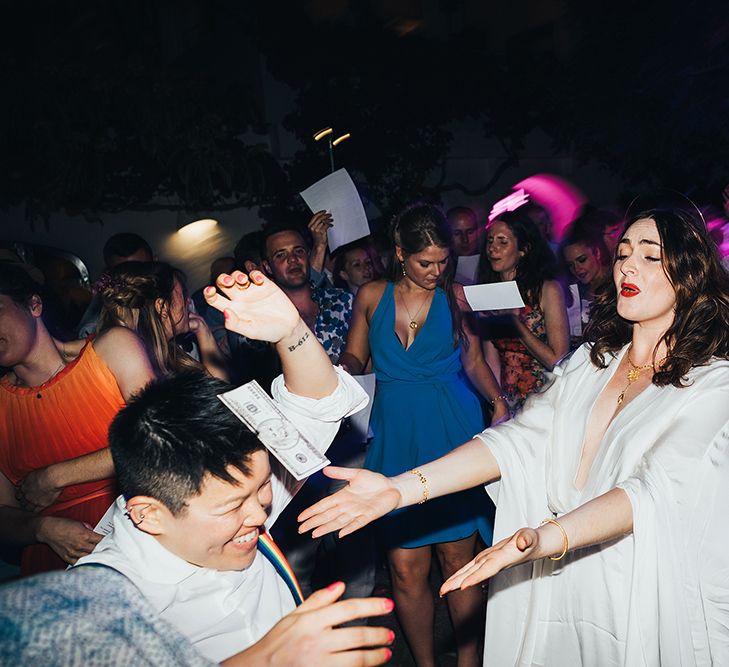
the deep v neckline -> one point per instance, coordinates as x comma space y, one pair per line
420, 329
599, 451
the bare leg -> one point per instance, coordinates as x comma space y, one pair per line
409, 569
466, 607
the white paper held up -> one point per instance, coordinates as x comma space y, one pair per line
337, 194
494, 296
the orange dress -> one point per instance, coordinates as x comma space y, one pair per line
63, 419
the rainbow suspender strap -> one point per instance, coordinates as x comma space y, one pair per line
270, 550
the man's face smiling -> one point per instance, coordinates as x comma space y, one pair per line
288, 259
219, 528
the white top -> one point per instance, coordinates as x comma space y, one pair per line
657, 596
223, 613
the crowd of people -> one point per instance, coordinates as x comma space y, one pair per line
584, 436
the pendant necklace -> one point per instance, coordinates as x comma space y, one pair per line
413, 322
633, 374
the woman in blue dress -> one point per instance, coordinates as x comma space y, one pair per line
414, 329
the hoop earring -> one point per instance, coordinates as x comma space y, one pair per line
402, 266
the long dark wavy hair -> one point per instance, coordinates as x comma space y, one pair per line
536, 266
414, 228
700, 328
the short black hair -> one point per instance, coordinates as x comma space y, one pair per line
175, 432
16, 282
269, 230
248, 248
123, 245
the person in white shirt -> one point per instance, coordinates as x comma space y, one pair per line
199, 488
611, 486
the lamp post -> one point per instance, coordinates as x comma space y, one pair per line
327, 133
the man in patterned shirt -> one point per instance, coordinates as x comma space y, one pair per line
327, 310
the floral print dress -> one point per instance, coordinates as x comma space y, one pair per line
521, 373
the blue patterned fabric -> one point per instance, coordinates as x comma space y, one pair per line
86, 616
332, 322
423, 409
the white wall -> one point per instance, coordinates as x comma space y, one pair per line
192, 253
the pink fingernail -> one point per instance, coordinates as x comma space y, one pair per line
226, 314
331, 587
209, 290
388, 654
390, 637
227, 281
389, 605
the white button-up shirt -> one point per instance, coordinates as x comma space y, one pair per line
223, 613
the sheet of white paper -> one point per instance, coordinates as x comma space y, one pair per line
494, 296
337, 194
466, 269
359, 422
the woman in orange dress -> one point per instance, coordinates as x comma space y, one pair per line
56, 403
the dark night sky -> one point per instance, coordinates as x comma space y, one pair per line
114, 104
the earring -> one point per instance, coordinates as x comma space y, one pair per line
141, 518
402, 266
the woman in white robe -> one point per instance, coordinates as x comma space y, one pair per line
626, 455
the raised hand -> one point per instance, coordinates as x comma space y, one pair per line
367, 497
309, 635
320, 222
253, 306
519, 548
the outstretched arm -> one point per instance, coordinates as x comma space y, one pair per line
604, 518
256, 307
369, 495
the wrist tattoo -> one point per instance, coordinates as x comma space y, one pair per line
299, 342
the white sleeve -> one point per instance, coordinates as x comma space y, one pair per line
318, 420
519, 445
679, 496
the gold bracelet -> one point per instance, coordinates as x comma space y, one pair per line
500, 397
564, 537
424, 482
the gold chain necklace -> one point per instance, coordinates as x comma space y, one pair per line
633, 374
413, 322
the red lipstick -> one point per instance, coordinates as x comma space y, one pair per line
629, 290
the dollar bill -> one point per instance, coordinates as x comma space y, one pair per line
255, 408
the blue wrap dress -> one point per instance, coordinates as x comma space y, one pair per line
423, 409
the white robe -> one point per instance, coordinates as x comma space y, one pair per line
657, 596
223, 613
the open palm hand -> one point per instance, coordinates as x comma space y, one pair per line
367, 497
504, 554
253, 306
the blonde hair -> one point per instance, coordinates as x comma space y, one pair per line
129, 293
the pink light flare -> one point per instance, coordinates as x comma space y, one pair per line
561, 199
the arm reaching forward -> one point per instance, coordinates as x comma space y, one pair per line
369, 495
604, 518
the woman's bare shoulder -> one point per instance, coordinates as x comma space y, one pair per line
117, 341
369, 294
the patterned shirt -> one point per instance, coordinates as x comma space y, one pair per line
332, 322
